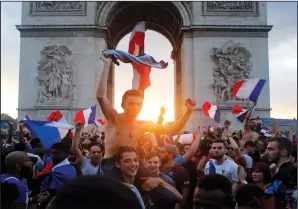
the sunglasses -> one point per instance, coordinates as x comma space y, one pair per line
231, 148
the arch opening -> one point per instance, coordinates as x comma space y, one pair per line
166, 18
161, 91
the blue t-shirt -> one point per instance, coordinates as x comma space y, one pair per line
23, 189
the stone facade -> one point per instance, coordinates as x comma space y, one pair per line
213, 35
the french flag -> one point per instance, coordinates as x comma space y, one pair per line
48, 132
56, 116
211, 111
88, 117
61, 173
141, 73
240, 113
99, 122
248, 89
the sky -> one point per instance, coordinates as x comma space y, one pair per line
282, 64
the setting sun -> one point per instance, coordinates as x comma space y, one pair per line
161, 91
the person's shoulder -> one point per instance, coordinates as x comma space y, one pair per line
166, 178
246, 156
12, 180
231, 163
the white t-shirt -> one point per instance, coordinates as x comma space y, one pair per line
88, 169
228, 169
248, 160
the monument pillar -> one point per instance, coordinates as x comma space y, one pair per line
187, 72
59, 58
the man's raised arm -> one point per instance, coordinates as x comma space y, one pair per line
101, 92
178, 125
247, 118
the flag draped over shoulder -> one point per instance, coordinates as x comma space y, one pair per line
61, 173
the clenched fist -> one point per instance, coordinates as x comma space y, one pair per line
190, 104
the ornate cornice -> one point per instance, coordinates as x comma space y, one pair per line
59, 27
240, 28
62, 31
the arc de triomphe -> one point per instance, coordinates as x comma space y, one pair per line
214, 44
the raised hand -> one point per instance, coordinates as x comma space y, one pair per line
79, 126
190, 104
162, 110
106, 60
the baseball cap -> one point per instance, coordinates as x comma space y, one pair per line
169, 148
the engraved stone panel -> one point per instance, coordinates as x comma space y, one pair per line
231, 64
230, 8
55, 76
57, 8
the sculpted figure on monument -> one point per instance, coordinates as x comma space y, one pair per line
55, 75
231, 64
58, 5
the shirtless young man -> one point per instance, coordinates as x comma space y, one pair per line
122, 129
249, 128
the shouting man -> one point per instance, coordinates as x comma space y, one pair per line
124, 129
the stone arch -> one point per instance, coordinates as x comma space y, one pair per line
167, 18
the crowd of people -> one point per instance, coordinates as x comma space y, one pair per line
138, 164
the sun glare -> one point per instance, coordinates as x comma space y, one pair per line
161, 91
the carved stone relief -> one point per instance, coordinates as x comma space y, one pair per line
231, 64
230, 8
55, 75
58, 8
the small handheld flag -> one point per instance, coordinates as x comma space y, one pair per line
248, 89
211, 111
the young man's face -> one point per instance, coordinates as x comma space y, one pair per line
153, 164
128, 164
132, 106
273, 152
217, 150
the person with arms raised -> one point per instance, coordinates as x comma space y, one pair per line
123, 129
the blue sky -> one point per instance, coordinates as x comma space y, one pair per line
282, 61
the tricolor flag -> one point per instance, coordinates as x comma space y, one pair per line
240, 113
99, 122
141, 73
211, 111
248, 89
48, 132
56, 116
88, 117
61, 173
